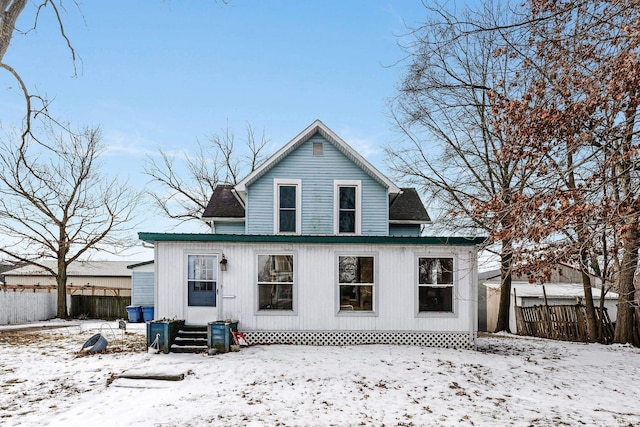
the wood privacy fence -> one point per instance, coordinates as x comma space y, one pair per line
561, 322
17, 308
99, 307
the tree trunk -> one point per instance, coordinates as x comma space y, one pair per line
8, 20
626, 288
592, 320
506, 260
61, 280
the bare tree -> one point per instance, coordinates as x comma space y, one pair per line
10, 11
455, 146
55, 203
185, 188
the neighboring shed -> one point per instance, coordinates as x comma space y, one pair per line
84, 277
525, 294
142, 283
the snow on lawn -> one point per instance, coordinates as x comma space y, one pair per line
508, 381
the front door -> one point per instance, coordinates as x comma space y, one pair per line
202, 289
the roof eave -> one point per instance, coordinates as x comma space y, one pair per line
317, 126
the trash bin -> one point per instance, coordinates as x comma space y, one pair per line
135, 313
147, 313
165, 331
219, 336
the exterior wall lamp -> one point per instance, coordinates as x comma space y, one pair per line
223, 263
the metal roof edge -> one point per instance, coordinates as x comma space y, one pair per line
269, 238
140, 264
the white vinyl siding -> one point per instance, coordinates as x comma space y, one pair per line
316, 295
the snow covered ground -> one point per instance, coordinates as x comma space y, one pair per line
508, 381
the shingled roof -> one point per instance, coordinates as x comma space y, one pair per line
407, 207
223, 204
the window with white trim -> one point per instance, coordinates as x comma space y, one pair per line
356, 282
435, 285
287, 218
202, 278
275, 282
347, 207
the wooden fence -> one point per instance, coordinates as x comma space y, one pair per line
17, 308
99, 307
560, 322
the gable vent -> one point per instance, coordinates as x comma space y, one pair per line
317, 148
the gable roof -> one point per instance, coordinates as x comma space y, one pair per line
315, 128
223, 204
407, 208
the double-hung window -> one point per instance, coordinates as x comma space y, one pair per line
347, 207
435, 285
287, 218
356, 281
275, 282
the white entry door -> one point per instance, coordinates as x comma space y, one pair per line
202, 289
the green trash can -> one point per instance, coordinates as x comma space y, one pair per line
219, 335
165, 331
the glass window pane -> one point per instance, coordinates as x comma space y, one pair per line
287, 221
347, 197
355, 269
347, 222
275, 297
356, 298
288, 196
435, 271
275, 268
435, 299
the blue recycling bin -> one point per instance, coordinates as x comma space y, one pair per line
135, 313
147, 313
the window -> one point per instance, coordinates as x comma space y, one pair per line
356, 282
287, 206
347, 207
202, 276
275, 282
435, 285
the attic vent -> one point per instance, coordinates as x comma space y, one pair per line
317, 148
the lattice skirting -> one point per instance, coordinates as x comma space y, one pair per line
427, 339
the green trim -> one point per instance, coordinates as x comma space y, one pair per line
265, 238
140, 264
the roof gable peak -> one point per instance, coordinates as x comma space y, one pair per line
317, 127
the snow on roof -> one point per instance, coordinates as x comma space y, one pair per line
553, 290
77, 268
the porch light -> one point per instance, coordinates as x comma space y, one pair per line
223, 263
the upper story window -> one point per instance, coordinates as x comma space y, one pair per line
347, 207
287, 206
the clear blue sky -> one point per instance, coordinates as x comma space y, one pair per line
166, 73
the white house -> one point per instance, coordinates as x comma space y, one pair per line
316, 246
